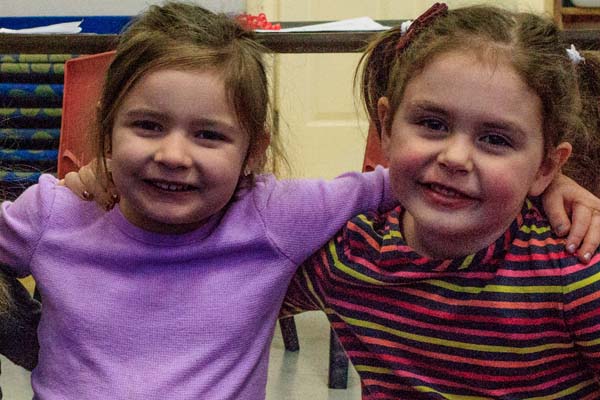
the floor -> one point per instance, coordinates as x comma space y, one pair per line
292, 376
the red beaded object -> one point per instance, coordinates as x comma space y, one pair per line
252, 22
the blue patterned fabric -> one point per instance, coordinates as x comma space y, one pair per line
30, 94
29, 135
30, 117
22, 155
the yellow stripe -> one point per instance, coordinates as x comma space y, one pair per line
349, 271
450, 396
588, 343
565, 392
312, 290
582, 283
496, 288
390, 233
534, 228
467, 261
426, 389
454, 343
376, 370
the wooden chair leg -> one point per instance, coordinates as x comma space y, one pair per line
338, 363
289, 334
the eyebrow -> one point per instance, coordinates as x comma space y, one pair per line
204, 122
495, 124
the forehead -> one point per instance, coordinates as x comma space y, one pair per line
478, 86
193, 91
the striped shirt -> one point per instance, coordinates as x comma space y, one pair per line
519, 319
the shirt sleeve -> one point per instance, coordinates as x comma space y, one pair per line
22, 223
582, 309
303, 293
19, 318
301, 215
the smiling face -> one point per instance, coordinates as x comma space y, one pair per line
465, 148
177, 150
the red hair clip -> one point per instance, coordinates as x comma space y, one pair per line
422, 21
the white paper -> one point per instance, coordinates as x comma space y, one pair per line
65, 27
353, 24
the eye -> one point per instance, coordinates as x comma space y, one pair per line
433, 124
496, 140
147, 125
209, 135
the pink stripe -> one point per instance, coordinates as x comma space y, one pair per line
457, 372
436, 327
489, 392
441, 314
436, 355
535, 257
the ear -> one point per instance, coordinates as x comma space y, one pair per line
550, 167
383, 112
257, 152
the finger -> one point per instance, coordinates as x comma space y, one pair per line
96, 187
582, 218
591, 240
72, 181
557, 214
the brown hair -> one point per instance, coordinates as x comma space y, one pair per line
535, 49
185, 36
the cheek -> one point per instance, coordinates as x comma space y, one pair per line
509, 183
404, 166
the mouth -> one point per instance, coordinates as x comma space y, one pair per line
172, 187
448, 192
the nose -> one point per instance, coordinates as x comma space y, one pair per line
173, 151
456, 153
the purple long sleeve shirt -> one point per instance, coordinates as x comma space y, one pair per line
130, 314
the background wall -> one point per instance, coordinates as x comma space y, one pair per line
10, 8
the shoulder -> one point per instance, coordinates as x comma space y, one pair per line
366, 234
535, 245
47, 200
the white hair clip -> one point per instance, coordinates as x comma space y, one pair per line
574, 55
404, 26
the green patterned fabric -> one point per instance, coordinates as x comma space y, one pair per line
33, 68
35, 58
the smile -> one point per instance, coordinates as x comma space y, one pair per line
171, 187
446, 191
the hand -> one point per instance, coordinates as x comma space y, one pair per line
565, 197
88, 186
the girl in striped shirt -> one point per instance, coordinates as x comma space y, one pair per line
464, 291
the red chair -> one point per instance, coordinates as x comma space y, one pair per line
82, 87
373, 154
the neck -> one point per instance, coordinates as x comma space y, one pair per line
441, 245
